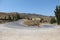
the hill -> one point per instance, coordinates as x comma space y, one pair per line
13, 16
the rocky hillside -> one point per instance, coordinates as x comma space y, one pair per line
12, 16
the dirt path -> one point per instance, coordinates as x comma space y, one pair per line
7, 33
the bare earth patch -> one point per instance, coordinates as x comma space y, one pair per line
7, 33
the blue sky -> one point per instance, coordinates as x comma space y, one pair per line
44, 7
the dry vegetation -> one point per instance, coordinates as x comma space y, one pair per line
32, 23
14, 16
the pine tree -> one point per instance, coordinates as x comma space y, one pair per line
57, 14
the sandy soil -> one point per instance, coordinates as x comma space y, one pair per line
28, 33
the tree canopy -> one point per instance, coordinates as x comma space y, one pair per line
57, 14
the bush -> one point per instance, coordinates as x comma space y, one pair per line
53, 20
32, 23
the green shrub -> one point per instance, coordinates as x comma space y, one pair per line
53, 20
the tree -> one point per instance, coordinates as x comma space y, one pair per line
5, 17
57, 14
18, 16
53, 20
9, 18
41, 20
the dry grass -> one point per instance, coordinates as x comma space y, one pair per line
31, 23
